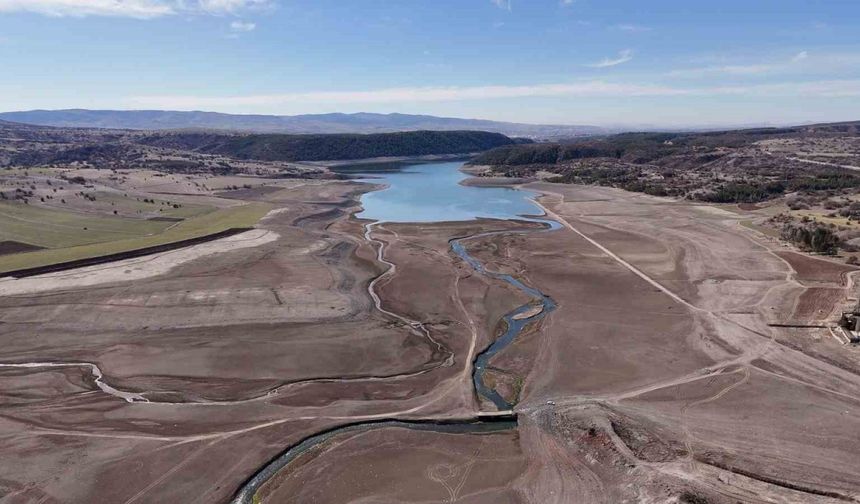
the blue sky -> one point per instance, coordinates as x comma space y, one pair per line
603, 62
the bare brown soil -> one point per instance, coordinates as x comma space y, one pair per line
400, 465
811, 269
705, 395
243, 351
657, 379
818, 303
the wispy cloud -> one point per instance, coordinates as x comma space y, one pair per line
141, 9
138, 9
623, 57
799, 62
723, 69
242, 26
231, 6
594, 88
565, 3
633, 28
503, 4
821, 89
400, 95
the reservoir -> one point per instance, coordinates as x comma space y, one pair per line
431, 192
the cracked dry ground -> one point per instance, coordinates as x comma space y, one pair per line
667, 384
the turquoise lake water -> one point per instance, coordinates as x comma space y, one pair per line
431, 192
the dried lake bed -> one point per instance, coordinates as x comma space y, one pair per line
653, 376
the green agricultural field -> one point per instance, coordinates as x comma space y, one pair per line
58, 229
114, 234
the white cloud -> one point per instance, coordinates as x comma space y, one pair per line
503, 4
823, 89
822, 64
242, 26
230, 6
632, 28
623, 57
398, 95
565, 3
724, 69
594, 88
139, 9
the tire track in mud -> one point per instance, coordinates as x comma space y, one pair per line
141, 397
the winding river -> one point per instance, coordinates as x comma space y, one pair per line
515, 322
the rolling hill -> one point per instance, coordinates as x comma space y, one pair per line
26, 145
278, 147
298, 124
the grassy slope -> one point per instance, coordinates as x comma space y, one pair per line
56, 228
60, 228
213, 222
129, 205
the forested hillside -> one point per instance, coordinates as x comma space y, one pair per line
329, 147
25, 145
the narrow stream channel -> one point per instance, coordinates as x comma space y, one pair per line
514, 321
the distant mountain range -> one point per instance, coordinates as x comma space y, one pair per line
311, 123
